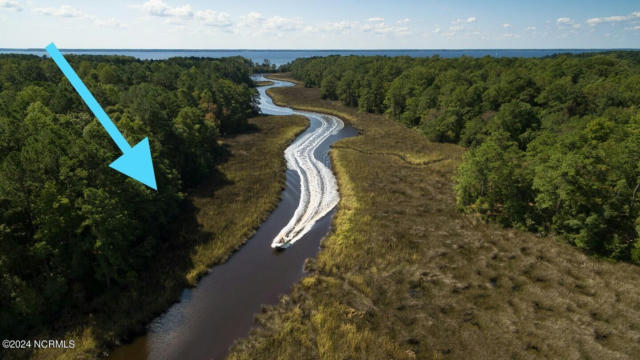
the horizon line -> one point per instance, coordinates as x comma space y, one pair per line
342, 49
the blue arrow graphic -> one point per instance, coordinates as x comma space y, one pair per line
134, 162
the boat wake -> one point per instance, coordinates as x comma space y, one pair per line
318, 186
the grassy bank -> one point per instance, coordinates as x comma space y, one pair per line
264, 83
404, 275
219, 217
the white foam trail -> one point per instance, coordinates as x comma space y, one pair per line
318, 186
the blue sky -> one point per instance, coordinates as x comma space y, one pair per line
328, 24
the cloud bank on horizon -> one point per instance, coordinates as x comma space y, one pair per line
319, 24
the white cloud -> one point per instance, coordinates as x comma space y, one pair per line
341, 26
468, 20
376, 19
379, 27
530, 28
182, 12
214, 18
404, 21
349, 27
251, 19
459, 26
160, 8
66, 11
613, 19
254, 16
255, 23
110, 22
565, 22
594, 21
401, 31
310, 29
506, 26
280, 23
10, 4
155, 7
62, 11
180, 15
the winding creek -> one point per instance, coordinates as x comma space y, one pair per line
220, 309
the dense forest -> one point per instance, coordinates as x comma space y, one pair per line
71, 228
554, 142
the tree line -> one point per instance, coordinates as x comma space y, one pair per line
71, 228
554, 142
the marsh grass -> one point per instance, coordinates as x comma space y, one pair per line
263, 83
219, 216
255, 175
403, 275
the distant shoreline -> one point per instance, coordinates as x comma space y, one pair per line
337, 50
279, 57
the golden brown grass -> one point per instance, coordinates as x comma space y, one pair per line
404, 275
255, 174
263, 83
222, 214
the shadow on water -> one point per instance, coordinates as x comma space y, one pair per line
209, 318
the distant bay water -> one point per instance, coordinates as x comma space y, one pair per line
279, 57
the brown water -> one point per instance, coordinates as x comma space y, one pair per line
210, 317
